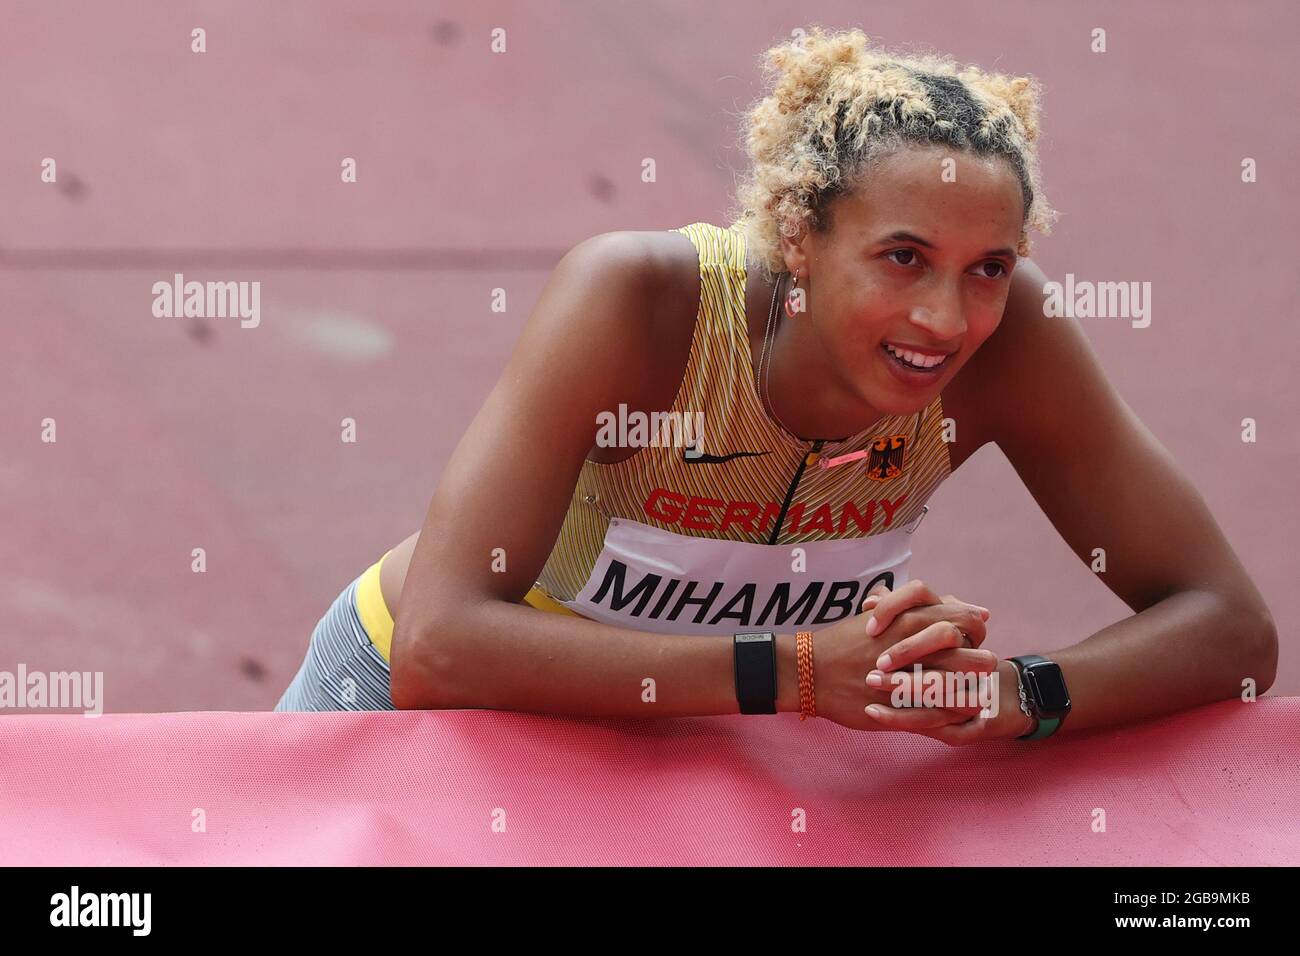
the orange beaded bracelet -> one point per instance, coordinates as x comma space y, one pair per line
803, 643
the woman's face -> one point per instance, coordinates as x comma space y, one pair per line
920, 255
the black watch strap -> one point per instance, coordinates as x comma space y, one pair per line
756, 672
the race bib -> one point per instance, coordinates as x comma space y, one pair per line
649, 579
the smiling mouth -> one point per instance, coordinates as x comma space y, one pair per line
914, 361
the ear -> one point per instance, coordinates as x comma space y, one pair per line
795, 253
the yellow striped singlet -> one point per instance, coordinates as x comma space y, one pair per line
724, 521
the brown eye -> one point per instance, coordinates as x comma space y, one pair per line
904, 252
1001, 270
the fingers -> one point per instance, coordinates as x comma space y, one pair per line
970, 630
942, 635
908, 693
966, 732
961, 660
913, 718
971, 618
953, 599
874, 595
912, 594
967, 693
884, 608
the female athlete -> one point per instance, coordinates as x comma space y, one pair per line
868, 321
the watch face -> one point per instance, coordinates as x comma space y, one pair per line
1049, 688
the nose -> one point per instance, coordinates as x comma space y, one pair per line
937, 307
941, 319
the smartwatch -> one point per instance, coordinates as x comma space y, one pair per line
756, 672
1043, 694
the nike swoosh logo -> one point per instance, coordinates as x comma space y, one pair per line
693, 457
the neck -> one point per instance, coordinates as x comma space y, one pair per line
802, 388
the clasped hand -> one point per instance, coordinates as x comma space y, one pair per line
863, 668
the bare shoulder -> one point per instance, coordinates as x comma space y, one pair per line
648, 286
622, 264
666, 304
674, 273
598, 307
653, 272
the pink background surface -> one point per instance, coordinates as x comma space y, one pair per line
1214, 786
478, 171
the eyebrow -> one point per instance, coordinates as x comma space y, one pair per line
902, 235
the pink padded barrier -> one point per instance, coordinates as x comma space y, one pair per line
1213, 786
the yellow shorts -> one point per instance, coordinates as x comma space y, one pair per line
378, 621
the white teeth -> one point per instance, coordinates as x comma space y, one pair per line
915, 358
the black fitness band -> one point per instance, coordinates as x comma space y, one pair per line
756, 672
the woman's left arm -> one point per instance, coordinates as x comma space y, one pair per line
1201, 631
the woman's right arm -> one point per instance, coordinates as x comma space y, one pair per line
461, 638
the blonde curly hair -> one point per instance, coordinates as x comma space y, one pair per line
836, 106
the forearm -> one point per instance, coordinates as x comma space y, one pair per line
1192, 648
502, 656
